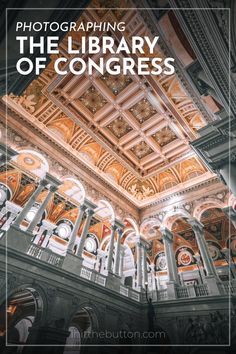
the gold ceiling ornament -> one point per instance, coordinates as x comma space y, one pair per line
116, 83
63, 127
164, 136
93, 100
119, 127
34, 93
27, 102
130, 111
143, 110
141, 190
141, 150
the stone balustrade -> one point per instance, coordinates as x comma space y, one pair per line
55, 260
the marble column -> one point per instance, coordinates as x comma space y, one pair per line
197, 228
89, 213
230, 212
144, 263
122, 257
170, 256
118, 252
139, 264
111, 248
6, 154
200, 268
39, 213
153, 276
42, 184
75, 230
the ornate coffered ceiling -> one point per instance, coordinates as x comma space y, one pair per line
134, 131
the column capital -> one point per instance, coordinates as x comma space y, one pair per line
90, 212
53, 189
43, 182
7, 151
167, 234
82, 207
196, 225
118, 224
53, 181
120, 232
198, 259
113, 227
89, 204
226, 253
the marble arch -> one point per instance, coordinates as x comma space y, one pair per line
208, 203
73, 188
105, 210
126, 234
148, 224
104, 243
38, 294
134, 224
172, 216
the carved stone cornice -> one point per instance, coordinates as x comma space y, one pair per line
217, 144
209, 46
216, 190
94, 185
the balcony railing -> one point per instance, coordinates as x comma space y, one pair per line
181, 292
229, 287
45, 254
201, 290
162, 295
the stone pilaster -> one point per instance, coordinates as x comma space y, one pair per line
118, 252
144, 264
139, 265
170, 256
75, 230
211, 278
89, 213
197, 228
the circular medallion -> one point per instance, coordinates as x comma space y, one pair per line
3, 196
63, 230
184, 258
214, 252
161, 262
31, 214
90, 245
